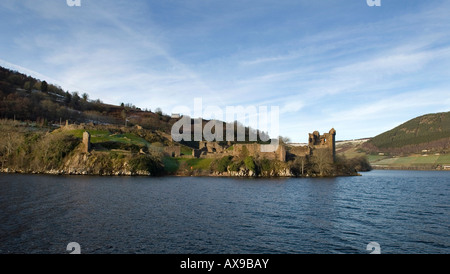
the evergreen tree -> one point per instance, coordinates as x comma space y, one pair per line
44, 86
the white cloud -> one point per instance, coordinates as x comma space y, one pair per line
332, 75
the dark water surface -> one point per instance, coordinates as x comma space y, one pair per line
403, 211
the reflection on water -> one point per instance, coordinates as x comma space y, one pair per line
403, 211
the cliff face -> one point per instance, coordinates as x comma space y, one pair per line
99, 163
26, 148
95, 163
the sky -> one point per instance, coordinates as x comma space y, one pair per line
325, 64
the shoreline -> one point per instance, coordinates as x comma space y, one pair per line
139, 174
201, 173
375, 167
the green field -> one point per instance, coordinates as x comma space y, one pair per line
374, 158
171, 165
444, 159
195, 163
410, 161
430, 161
186, 150
101, 136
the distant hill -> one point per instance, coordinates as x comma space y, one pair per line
428, 132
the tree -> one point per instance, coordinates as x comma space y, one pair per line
266, 165
37, 85
15, 79
123, 114
299, 166
85, 97
50, 151
67, 98
75, 102
44, 86
27, 86
223, 163
322, 161
250, 163
284, 140
147, 163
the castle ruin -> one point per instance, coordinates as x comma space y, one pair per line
327, 141
172, 151
277, 153
210, 149
316, 142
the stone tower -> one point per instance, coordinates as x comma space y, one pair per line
86, 142
332, 142
326, 141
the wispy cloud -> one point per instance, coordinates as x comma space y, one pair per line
323, 63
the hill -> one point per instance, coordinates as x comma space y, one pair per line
427, 133
25, 98
422, 143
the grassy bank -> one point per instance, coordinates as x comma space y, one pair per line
424, 162
186, 166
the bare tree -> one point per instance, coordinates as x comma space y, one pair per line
284, 139
322, 160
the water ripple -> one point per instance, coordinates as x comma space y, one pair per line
404, 211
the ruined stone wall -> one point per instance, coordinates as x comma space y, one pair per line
211, 147
325, 142
301, 151
256, 151
209, 150
86, 142
213, 150
281, 153
173, 151
197, 153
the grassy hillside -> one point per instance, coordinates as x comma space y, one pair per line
420, 143
430, 133
423, 129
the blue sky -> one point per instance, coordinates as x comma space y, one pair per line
325, 63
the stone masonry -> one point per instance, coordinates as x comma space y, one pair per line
316, 142
86, 142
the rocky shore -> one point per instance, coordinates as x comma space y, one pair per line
76, 172
198, 173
